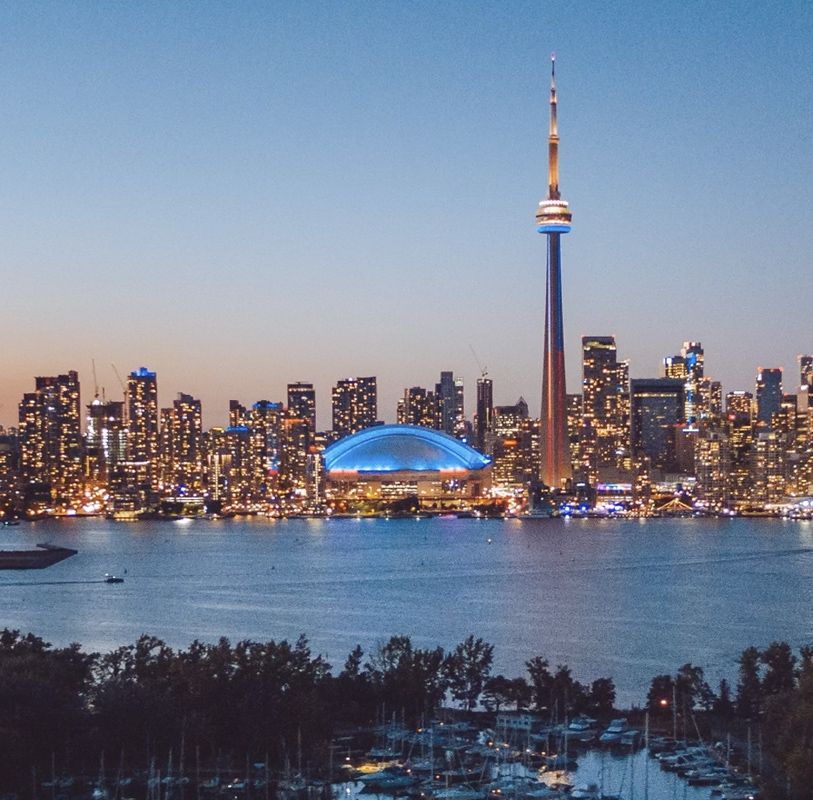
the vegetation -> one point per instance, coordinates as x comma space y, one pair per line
225, 704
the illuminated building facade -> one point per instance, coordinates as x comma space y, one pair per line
553, 219
51, 447
181, 442
106, 441
418, 407
510, 468
355, 406
396, 461
142, 418
302, 405
449, 397
604, 437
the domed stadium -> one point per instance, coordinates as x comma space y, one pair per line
391, 461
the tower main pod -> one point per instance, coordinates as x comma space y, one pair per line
553, 219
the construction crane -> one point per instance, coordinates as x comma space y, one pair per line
124, 389
95, 380
483, 370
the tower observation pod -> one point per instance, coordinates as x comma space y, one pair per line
552, 220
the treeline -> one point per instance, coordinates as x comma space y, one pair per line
224, 704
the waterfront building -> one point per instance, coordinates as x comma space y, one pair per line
266, 426
510, 468
106, 440
656, 414
712, 467
355, 405
553, 218
768, 466
604, 435
739, 428
293, 469
51, 448
574, 428
181, 447
391, 462
484, 414
768, 395
142, 415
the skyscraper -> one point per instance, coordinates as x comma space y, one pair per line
181, 445
355, 405
553, 219
302, 404
50, 436
656, 411
605, 407
142, 402
485, 412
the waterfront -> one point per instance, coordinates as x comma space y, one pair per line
626, 599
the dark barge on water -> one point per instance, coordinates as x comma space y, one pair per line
47, 556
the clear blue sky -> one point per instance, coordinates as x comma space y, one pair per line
242, 195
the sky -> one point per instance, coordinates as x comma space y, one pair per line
242, 195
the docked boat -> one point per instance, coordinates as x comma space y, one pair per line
46, 556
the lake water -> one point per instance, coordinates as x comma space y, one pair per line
626, 599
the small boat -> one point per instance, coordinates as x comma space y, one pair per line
10, 522
108, 578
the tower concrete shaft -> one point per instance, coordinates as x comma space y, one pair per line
553, 219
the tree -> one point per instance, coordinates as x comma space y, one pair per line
541, 682
749, 687
601, 700
780, 669
467, 669
691, 689
660, 696
723, 706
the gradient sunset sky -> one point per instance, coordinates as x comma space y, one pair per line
241, 195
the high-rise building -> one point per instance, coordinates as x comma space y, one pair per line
739, 409
418, 407
181, 442
806, 370
449, 398
768, 395
142, 421
553, 219
266, 425
509, 467
302, 404
605, 407
692, 353
50, 436
106, 440
656, 412
355, 405
484, 413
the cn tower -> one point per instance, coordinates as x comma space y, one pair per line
553, 219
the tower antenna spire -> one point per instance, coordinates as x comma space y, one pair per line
553, 137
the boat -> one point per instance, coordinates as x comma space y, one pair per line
46, 556
108, 578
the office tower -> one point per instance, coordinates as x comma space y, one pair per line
181, 446
302, 404
417, 407
552, 220
485, 413
711, 398
449, 397
605, 407
574, 425
692, 353
509, 468
768, 395
656, 411
674, 367
50, 436
355, 405
142, 407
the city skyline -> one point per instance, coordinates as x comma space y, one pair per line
236, 184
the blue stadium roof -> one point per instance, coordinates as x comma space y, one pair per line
400, 448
